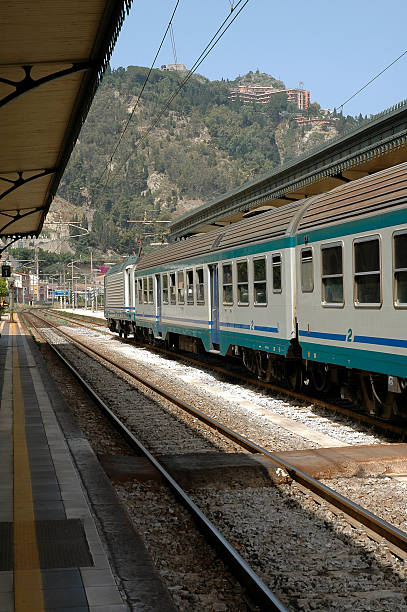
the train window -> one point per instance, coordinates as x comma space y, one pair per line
190, 286
332, 274
242, 283
140, 290
165, 288
145, 291
307, 271
367, 271
276, 268
150, 290
181, 287
173, 297
227, 284
200, 288
400, 269
259, 281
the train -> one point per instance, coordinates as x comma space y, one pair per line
312, 294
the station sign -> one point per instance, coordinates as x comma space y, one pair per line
61, 292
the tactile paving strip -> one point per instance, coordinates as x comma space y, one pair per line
61, 544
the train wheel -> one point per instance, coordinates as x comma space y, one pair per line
320, 378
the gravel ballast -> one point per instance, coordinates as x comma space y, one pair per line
311, 559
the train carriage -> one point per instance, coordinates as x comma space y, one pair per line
312, 293
119, 296
351, 269
231, 289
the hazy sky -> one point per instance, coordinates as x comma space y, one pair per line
332, 47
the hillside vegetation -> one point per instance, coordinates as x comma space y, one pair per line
203, 145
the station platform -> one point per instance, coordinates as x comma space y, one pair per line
52, 557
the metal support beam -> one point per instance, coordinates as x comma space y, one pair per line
16, 217
27, 83
22, 181
340, 177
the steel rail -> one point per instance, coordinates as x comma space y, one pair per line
321, 403
243, 572
379, 526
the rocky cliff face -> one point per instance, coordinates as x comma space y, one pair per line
203, 145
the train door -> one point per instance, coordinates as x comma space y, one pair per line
158, 308
127, 291
214, 286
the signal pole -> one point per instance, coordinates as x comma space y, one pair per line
11, 293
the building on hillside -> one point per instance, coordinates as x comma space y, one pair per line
301, 120
262, 95
174, 67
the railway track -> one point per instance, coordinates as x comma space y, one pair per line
261, 595
378, 424
376, 527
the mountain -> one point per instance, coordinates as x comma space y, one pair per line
258, 78
173, 157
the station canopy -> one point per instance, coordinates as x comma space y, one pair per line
52, 57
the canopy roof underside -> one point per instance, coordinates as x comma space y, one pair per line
52, 56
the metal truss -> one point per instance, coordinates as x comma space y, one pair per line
27, 83
16, 216
22, 181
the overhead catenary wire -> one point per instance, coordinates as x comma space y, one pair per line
169, 27
211, 44
373, 79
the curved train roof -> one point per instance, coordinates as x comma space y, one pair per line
385, 189
272, 224
371, 194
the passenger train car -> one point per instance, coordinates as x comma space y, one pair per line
313, 293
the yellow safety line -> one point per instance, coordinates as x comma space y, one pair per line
28, 596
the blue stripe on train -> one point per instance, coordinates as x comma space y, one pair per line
322, 335
396, 342
381, 341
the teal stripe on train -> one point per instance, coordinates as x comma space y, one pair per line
359, 359
278, 346
358, 226
277, 244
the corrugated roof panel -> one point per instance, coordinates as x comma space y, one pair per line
384, 189
259, 228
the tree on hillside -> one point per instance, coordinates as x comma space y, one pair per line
204, 144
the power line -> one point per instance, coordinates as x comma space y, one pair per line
211, 44
169, 27
373, 79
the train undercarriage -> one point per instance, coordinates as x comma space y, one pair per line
379, 395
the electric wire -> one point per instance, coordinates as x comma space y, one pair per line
211, 44
373, 79
197, 63
169, 27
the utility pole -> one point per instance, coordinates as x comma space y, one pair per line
37, 273
64, 296
86, 291
72, 294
